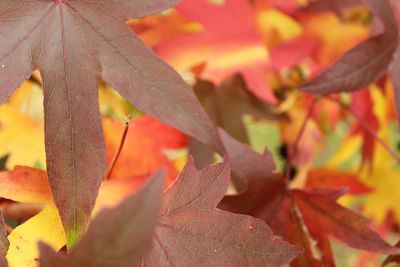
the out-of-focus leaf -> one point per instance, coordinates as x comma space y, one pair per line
324, 213
363, 64
28, 185
267, 197
361, 103
117, 237
334, 179
191, 231
21, 131
72, 43
336, 6
227, 105
228, 43
143, 152
392, 258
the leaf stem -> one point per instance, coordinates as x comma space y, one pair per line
367, 127
118, 153
293, 152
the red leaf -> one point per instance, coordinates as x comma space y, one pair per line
192, 232
72, 43
323, 213
361, 103
117, 237
392, 258
331, 179
363, 64
267, 197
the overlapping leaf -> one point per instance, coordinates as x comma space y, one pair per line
192, 231
28, 185
117, 237
363, 64
299, 216
72, 43
227, 105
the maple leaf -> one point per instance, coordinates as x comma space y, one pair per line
226, 105
117, 237
72, 43
192, 231
28, 185
364, 63
298, 215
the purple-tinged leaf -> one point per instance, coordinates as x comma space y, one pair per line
363, 64
319, 211
117, 237
192, 232
72, 43
263, 185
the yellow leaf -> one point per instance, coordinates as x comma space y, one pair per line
46, 227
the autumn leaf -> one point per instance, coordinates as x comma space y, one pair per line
224, 47
364, 63
227, 104
192, 231
28, 185
117, 237
298, 215
143, 152
21, 134
329, 178
72, 43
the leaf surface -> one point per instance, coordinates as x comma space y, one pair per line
298, 219
227, 104
72, 43
117, 237
192, 231
364, 63
28, 185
